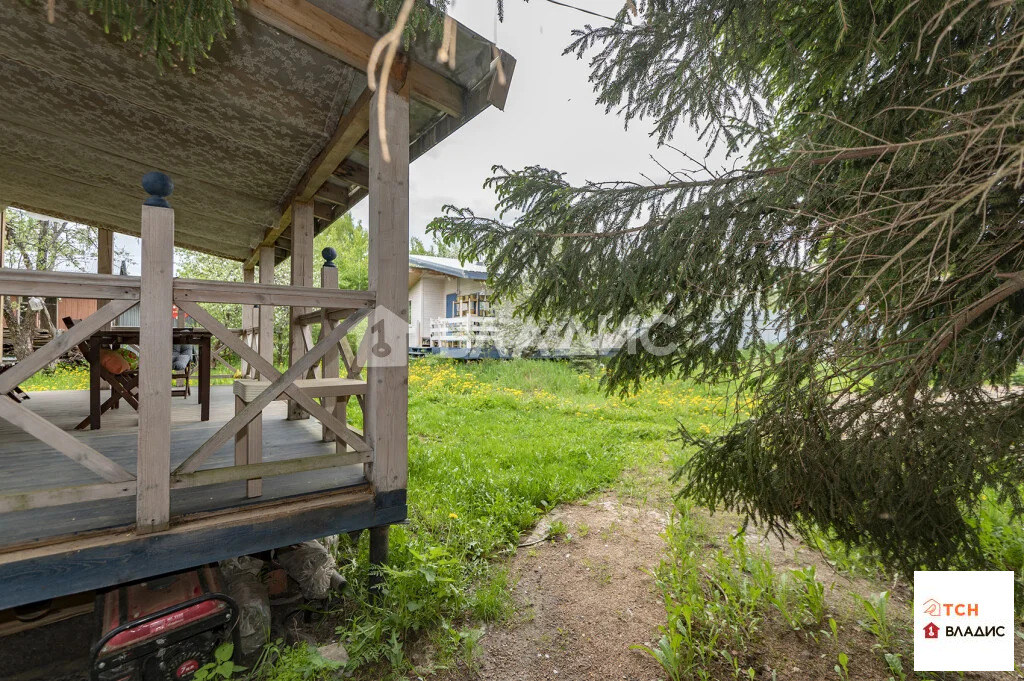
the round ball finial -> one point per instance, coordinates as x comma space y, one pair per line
329, 255
159, 186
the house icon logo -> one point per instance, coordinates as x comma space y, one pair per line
932, 607
385, 343
931, 630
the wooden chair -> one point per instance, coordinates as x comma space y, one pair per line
123, 386
183, 365
17, 394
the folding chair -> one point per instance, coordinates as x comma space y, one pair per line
123, 386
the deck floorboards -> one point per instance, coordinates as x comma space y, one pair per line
28, 464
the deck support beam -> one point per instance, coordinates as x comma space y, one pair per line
302, 275
378, 554
79, 564
386, 418
153, 500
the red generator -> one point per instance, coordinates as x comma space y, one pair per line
162, 629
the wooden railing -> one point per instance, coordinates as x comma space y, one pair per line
60, 284
123, 293
337, 312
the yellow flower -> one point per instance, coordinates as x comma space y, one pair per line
453, 515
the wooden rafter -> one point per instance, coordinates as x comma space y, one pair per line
334, 192
351, 128
353, 173
323, 210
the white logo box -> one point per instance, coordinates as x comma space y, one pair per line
963, 621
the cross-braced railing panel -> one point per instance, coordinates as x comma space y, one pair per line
120, 481
188, 474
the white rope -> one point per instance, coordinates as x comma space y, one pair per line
388, 46
446, 53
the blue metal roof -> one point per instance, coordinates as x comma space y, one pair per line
449, 266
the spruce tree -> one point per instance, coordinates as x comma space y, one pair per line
875, 230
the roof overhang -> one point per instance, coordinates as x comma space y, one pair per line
277, 113
445, 269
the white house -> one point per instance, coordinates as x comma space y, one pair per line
448, 305
450, 313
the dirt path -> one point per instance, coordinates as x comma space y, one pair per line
583, 600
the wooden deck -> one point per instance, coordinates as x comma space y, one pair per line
29, 464
51, 543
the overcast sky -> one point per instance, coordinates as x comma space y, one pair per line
550, 119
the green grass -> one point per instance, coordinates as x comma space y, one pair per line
63, 376
492, 447
715, 602
75, 376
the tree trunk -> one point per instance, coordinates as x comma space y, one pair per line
21, 326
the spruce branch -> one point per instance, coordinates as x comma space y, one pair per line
851, 280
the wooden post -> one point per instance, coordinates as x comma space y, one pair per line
104, 265
332, 358
302, 275
265, 339
153, 500
3, 240
104, 251
104, 258
249, 448
386, 419
248, 319
378, 555
95, 383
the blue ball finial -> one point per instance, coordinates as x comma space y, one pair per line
329, 255
159, 187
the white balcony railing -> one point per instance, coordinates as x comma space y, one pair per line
465, 331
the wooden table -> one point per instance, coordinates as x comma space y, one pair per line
113, 338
